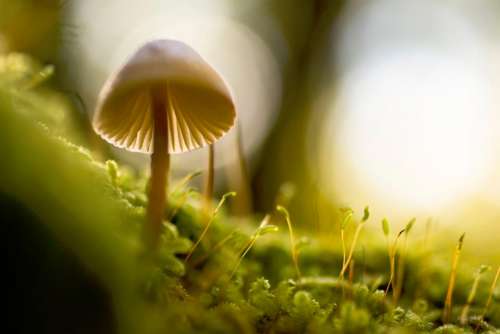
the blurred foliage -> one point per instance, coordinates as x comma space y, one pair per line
32, 26
97, 209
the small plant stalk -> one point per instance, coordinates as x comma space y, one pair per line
250, 243
392, 262
470, 299
243, 253
351, 251
207, 226
344, 255
185, 181
490, 295
451, 284
401, 265
295, 257
398, 287
215, 248
347, 216
160, 165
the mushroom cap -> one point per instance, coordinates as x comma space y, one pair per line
199, 106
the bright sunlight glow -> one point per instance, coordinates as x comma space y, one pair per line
418, 125
413, 117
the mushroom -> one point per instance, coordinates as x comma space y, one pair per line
165, 99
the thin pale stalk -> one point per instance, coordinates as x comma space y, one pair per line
217, 246
389, 252
294, 251
398, 287
245, 251
392, 262
451, 284
342, 237
207, 226
490, 295
470, 299
351, 251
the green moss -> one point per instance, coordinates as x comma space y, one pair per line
97, 210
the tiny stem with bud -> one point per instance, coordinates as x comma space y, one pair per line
490, 294
472, 294
398, 287
345, 266
207, 226
263, 228
451, 284
295, 259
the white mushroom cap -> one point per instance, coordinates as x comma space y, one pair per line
200, 109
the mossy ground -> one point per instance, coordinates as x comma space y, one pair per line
97, 209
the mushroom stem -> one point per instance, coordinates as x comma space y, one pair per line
209, 181
160, 164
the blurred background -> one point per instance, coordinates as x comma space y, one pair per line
389, 103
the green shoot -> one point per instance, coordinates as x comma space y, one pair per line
184, 181
392, 250
181, 203
295, 259
347, 212
215, 248
401, 265
387, 230
366, 215
490, 295
451, 284
207, 226
264, 228
472, 293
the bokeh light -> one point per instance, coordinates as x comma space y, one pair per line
412, 120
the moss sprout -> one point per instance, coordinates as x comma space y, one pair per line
209, 223
490, 294
451, 284
472, 293
295, 258
264, 228
402, 261
366, 216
